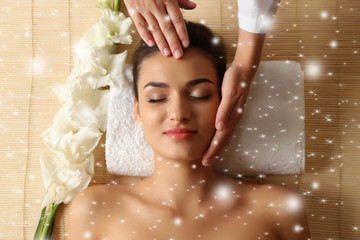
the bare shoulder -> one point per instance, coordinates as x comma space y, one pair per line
90, 206
284, 210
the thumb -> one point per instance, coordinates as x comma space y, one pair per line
223, 114
230, 96
186, 4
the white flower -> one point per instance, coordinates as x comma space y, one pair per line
71, 147
112, 28
64, 182
116, 26
89, 107
100, 69
94, 60
95, 36
77, 126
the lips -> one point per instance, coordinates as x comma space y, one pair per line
180, 130
180, 133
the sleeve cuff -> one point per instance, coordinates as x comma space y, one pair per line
256, 15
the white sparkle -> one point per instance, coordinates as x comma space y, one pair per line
333, 44
87, 235
293, 203
298, 228
223, 192
37, 65
324, 14
315, 185
132, 11
313, 69
167, 18
177, 221
215, 40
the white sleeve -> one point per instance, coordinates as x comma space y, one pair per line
256, 15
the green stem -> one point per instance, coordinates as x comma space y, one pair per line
49, 221
117, 5
40, 224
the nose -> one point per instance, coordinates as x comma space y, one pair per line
179, 109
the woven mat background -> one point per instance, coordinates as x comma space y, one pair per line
37, 40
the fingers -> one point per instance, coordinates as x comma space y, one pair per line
179, 24
170, 20
156, 32
161, 22
214, 147
186, 4
222, 137
231, 94
142, 27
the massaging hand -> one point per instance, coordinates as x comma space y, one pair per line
161, 21
234, 90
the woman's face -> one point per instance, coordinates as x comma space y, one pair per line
178, 94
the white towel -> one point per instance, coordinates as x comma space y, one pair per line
268, 140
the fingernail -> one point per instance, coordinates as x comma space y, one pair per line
209, 164
220, 125
151, 43
185, 43
166, 52
177, 53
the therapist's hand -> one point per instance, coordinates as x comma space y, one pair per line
161, 22
234, 90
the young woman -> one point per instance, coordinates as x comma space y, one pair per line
176, 103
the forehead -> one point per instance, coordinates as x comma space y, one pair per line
194, 64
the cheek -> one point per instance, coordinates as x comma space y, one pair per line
150, 117
208, 114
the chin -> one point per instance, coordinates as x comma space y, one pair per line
180, 151
181, 155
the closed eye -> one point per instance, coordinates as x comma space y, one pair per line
202, 98
196, 98
155, 100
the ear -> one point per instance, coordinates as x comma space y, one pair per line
136, 110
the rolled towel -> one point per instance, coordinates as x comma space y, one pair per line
268, 140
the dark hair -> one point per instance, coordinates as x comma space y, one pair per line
200, 37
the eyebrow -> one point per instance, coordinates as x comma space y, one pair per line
189, 84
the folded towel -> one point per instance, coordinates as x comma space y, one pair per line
268, 140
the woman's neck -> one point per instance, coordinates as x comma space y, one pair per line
182, 187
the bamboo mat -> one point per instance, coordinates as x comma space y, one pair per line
37, 40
